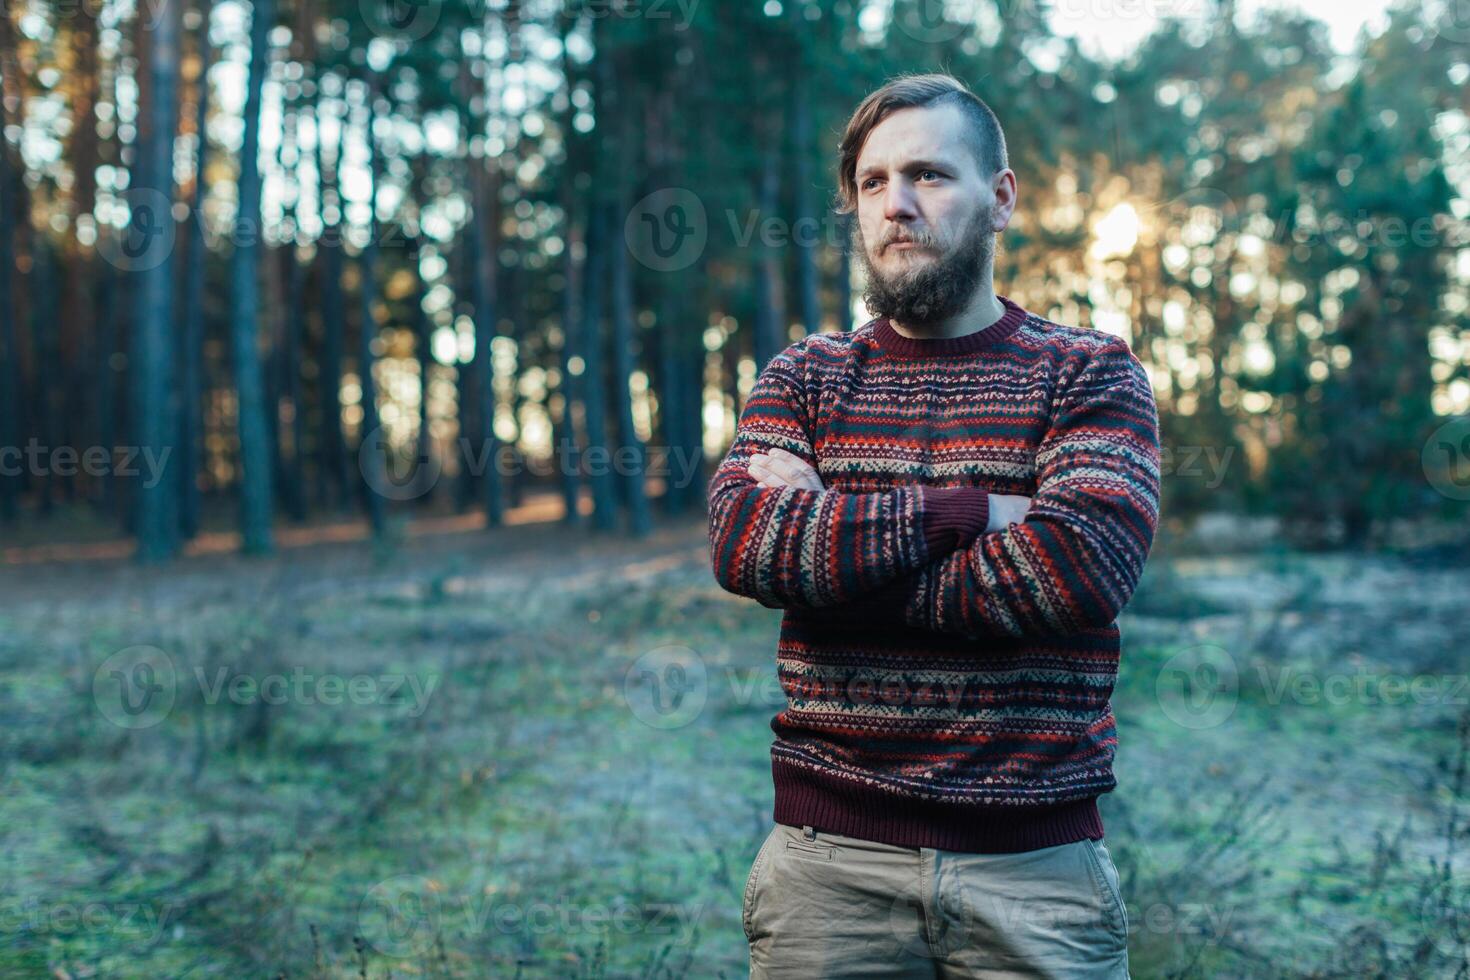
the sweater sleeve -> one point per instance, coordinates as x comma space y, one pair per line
1075, 560
790, 547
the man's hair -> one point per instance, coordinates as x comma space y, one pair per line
917, 92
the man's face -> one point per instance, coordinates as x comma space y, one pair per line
927, 217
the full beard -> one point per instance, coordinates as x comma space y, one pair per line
937, 290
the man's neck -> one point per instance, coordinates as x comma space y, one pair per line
983, 309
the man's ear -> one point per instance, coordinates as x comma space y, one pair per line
1003, 186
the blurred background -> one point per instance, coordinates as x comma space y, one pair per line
363, 364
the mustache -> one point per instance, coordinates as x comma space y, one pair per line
918, 238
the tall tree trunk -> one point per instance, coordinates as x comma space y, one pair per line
624, 334
48, 376
486, 324
564, 429
600, 237
109, 312
303, 52
294, 275
334, 463
694, 356
255, 457
273, 367
770, 310
604, 498
10, 394
466, 269
670, 397
108, 410
518, 296
511, 297
195, 262
77, 324
284, 374
153, 412
467, 262
15, 224
423, 341
807, 237
277, 325
485, 193
680, 424
371, 453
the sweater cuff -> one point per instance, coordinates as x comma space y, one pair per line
953, 517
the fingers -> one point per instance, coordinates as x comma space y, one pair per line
768, 472
794, 466
760, 470
780, 468
763, 476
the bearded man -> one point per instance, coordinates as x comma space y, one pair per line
952, 504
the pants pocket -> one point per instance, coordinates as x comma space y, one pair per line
810, 852
1110, 887
752, 880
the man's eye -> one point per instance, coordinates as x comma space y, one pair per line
869, 183
928, 173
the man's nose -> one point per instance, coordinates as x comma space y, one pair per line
898, 202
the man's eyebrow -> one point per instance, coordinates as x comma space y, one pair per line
910, 166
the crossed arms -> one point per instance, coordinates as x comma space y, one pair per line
938, 558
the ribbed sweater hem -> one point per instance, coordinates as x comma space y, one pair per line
834, 805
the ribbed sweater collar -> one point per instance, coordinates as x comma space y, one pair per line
898, 345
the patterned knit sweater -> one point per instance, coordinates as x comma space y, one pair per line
946, 687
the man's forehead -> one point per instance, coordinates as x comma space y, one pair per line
934, 134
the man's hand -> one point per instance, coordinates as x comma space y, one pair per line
778, 468
1006, 508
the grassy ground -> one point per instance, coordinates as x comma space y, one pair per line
535, 753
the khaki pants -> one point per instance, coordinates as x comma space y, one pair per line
820, 905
